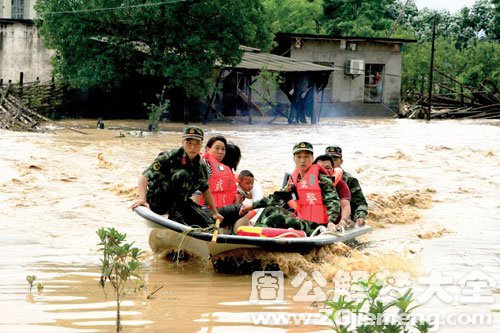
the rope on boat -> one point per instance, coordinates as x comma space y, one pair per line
322, 230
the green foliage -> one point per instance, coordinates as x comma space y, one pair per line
120, 263
298, 16
156, 110
471, 66
178, 41
371, 309
359, 18
495, 30
268, 83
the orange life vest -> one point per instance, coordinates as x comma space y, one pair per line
310, 202
222, 182
337, 174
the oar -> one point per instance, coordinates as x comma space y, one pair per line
216, 231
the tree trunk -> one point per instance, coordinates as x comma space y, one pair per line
118, 317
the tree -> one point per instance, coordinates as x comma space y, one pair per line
496, 21
464, 46
101, 43
476, 22
298, 16
119, 265
359, 18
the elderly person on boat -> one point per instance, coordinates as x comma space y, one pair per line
167, 184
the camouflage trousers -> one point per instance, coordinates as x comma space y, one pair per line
276, 217
173, 197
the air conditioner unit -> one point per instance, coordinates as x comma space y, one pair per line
354, 67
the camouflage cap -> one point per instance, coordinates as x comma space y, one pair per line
192, 132
303, 146
334, 151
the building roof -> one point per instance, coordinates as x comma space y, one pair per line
254, 60
282, 35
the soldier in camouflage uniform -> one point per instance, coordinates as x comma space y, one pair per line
359, 206
277, 217
167, 184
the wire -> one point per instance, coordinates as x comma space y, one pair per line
111, 8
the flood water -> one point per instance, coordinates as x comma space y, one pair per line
433, 189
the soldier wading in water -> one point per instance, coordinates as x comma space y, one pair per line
167, 184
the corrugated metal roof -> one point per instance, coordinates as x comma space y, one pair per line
253, 60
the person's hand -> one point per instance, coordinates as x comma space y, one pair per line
341, 225
216, 216
350, 223
139, 202
245, 208
360, 222
331, 226
336, 227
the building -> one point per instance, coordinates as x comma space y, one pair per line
17, 9
23, 58
366, 80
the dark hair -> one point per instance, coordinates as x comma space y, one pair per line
233, 156
245, 173
323, 157
213, 139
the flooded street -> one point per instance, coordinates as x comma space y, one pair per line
433, 191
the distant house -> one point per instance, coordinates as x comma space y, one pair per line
366, 80
23, 58
321, 75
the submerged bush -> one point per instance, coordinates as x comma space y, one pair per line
369, 313
120, 263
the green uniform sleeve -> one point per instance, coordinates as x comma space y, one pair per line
268, 201
159, 167
359, 206
203, 181
330, 198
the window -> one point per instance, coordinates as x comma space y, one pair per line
18, 9
374, 83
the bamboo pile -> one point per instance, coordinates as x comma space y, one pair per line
17, 117
457, 101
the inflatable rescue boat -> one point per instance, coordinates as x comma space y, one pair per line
206, 244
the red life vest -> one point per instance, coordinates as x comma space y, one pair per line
310, 202
222, 182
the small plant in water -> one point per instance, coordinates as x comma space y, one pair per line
120, 263
156, 110
31, 281
372, 313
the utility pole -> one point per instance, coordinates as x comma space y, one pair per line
431, 67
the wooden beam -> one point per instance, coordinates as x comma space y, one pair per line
245, 99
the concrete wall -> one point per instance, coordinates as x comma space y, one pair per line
21, 50
344, 94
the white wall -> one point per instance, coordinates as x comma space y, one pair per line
21, 50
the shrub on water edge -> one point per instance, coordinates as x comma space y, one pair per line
120, 263
372, 312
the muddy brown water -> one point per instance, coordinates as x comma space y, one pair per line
434, 197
